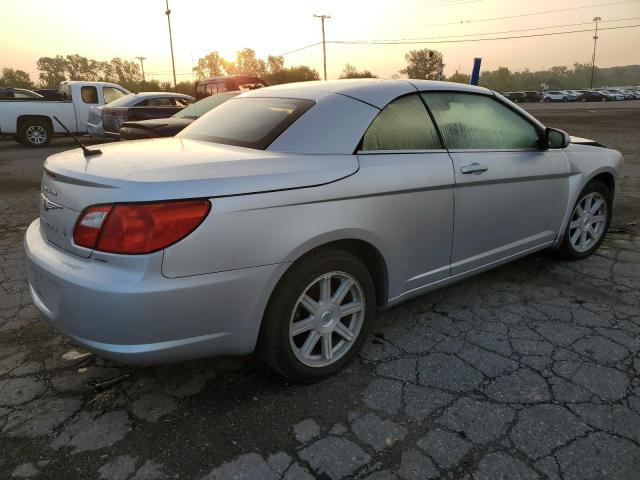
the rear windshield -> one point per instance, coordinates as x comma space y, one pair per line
123, 101
252, 122
201, 107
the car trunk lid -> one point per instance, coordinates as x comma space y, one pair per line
170, 168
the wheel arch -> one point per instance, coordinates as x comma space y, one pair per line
24, 118
363, 245
606, 177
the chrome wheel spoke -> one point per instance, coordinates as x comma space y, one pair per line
325, 289
309, 303
595, 206
309, 344
350, 309
341, 291
574, 224
575, 236
302, 326
327, 346
598, 218
344, 332
583, 239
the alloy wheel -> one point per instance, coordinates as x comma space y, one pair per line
588, 221
327, 319
36, 134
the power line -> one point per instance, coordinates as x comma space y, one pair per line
299, 49
348, 42
530, 14
496, 33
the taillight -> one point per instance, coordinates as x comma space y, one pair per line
89, 224
136, 228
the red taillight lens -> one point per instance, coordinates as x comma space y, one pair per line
144, 227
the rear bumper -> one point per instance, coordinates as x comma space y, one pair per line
125, 310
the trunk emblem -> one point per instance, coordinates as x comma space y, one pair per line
49, 190
48, 204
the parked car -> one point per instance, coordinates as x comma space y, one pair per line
610, 96
211, 86
592, 96
516, 97
21, 94
625, 95
32, 123
613, 94
49, 93
531, 96
280, 220
141, 106
170, 126
556, 96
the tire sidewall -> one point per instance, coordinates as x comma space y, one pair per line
284, 299
566, 248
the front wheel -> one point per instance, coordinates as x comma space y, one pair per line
589, 222
318, 316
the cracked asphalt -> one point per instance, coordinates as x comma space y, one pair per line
529, 371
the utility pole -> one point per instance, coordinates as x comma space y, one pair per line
324, 43
593, 58
142, 59
173, 63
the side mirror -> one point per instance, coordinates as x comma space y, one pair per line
556, 138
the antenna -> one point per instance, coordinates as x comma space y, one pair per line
85, 150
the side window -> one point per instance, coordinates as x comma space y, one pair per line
200, 90
221, 88
211, 89
404, 124
161, 102
110, 94
478, 122
89, 94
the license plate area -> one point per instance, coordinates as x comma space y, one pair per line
56, 224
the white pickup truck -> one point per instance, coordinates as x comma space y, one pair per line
32, 124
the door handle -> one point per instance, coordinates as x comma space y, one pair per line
475, 168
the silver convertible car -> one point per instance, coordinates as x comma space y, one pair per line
281, 220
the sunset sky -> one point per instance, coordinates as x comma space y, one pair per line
131, 28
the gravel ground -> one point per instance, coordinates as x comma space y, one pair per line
528, 371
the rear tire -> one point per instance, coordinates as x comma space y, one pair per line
589, 222
296, 333
35, 133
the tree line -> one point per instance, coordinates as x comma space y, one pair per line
423, 64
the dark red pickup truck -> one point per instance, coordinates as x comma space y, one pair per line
141, 106
211, 86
